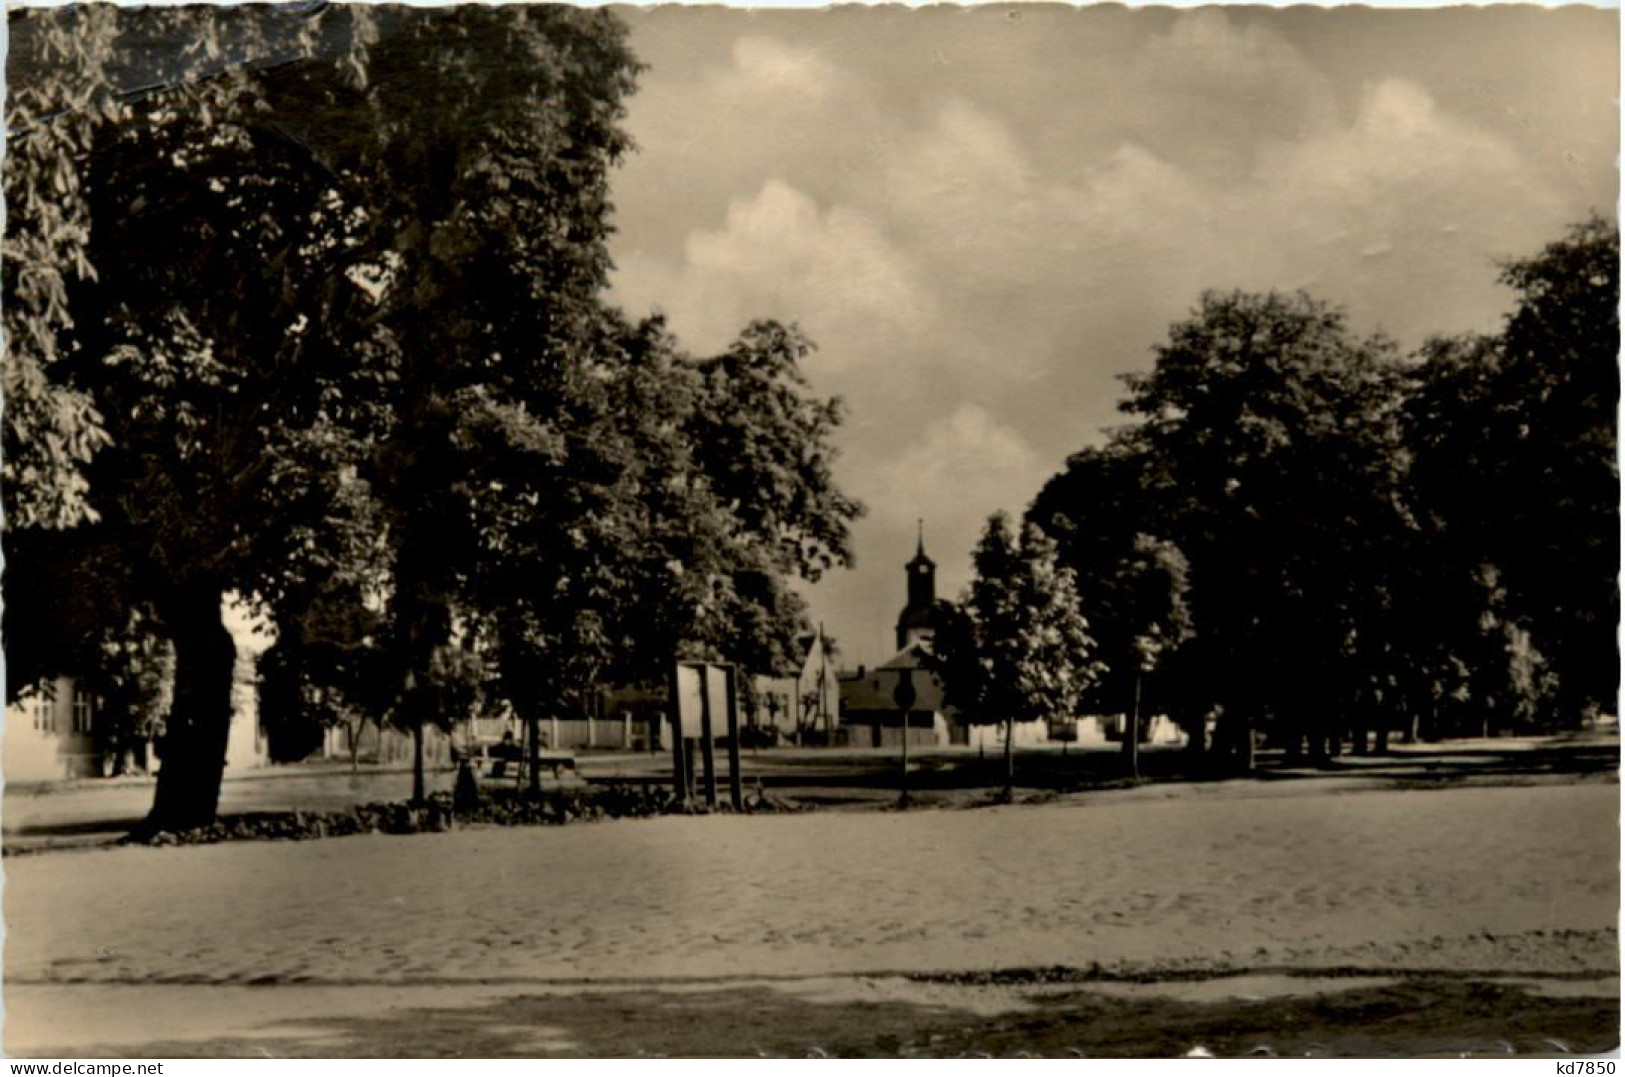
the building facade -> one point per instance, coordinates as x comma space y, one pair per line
51, 734
60, 729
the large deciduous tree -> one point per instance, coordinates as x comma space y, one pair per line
327, 296
1240, 535
1103, 512
206, 317
267, 292
1015, 648
1428, 546
1271, 441
1515, 444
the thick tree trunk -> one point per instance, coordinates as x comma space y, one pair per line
199, 725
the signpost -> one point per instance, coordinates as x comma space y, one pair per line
701, 694
708, 750
904, 696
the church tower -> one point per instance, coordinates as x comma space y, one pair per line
917, 619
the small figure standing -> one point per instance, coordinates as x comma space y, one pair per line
504, 753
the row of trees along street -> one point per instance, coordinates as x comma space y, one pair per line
305, 304
1304, 534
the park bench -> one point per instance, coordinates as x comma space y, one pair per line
491, 762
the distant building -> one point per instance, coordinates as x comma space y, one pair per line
919, 619
60, 730
870, 717
818, 692
52, 733
803, 708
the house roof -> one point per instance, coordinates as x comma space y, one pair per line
873, 690
910, 657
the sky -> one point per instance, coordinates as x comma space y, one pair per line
985, 216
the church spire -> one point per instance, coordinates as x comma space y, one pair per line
916, 620
920, 557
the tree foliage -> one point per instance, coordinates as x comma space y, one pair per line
1015, 648
1271, 432
322, 312
1103, 516
1353, 541
1515, 443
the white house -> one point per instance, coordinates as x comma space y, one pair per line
55, 731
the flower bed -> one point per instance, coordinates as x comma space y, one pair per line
444, 811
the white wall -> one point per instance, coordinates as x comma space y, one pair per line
37, 755
991, 737
30, 755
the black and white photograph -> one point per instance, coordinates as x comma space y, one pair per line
992, 532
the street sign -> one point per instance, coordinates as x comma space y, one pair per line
705, 705
904, 695
690, 703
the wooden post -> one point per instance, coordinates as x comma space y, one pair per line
904, 696
736, 790
1131, 732
681, 779
708, 751
904, 797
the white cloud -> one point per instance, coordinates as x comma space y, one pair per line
767, 65
1223, 76
965, 462
965, 162
1400, 138
1209, 46
981, 228
1413, 183
957, 471
778, 255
